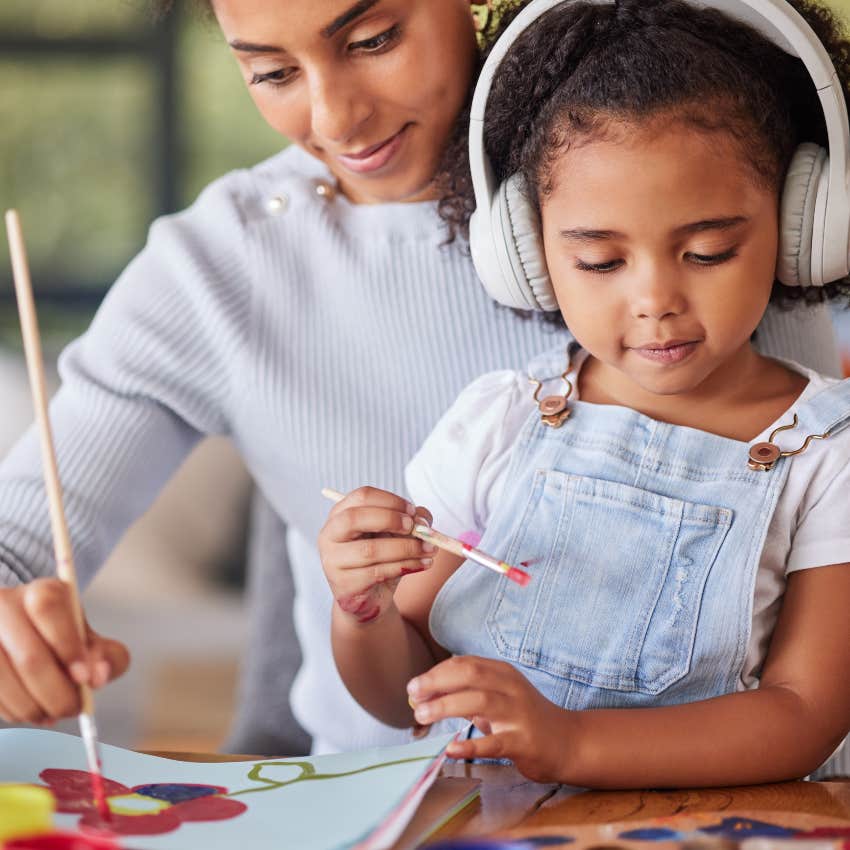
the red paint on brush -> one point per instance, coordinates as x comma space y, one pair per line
466, 546
521, 577
100, 796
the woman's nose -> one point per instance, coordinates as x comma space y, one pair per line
338, 111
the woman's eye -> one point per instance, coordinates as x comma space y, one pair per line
377, 43
280, 77
599, 268
711, 259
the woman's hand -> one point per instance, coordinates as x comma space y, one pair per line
43, 660
366, 548
518, 722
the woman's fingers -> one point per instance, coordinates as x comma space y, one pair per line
42, 676
109, 658
48, 603
16, 704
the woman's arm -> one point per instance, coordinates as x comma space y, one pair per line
783, 730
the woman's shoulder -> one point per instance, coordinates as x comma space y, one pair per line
271, 188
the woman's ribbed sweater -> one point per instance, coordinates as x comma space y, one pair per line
324, 338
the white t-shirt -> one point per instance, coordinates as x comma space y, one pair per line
459, 474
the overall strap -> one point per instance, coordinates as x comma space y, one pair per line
828, 412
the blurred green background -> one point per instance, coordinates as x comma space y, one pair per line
108, 120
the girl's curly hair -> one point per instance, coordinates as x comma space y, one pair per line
583, 67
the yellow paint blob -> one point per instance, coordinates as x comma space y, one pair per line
135, 804
25, 810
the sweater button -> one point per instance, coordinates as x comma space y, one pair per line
277, 204
325, 190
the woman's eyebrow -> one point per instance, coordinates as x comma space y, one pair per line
347, 17
330, 30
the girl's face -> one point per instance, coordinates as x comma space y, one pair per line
662, 248
371, 88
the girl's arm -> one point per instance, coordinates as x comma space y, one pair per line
785, 729
383, 582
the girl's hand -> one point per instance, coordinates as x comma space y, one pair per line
366, 548
43, 661
518, 722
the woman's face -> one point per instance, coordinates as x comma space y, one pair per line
371, 88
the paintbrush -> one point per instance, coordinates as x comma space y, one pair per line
442, 541
61, 540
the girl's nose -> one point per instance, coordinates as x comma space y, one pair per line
657, 297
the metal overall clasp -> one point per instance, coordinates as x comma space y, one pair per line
554, 410
763, 456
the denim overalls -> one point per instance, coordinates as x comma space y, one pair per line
645, 539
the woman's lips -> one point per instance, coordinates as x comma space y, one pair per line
376, 156
669, 353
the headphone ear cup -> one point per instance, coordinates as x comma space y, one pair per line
797, 214
524, 243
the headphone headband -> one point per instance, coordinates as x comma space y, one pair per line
777, 21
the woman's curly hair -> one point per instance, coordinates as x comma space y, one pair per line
583, 67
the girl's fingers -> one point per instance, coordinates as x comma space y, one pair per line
352, 523
423, 515
360, 582
370, 551
459, 673
373, 497
460, 704
488, 747
16, 705
41, 675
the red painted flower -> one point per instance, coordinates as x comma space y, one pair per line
142, 810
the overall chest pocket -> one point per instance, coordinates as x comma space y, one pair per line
618, 581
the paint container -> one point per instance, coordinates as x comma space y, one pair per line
62, 841
25, 810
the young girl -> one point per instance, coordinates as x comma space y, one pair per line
674, 490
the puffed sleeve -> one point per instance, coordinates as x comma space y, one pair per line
822, 535
459, 472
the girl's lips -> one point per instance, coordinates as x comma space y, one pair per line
375, 157
671, 354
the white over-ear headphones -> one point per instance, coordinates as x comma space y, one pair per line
504, 231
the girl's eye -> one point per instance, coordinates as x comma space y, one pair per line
599, 268
711, 259
280, 77
377, 43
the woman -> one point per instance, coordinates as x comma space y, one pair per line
310, 309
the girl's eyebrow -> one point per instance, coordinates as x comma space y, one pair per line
581, 234
330, 30
712, 224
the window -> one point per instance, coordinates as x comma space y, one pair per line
107, 123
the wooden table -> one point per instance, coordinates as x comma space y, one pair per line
511, 806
